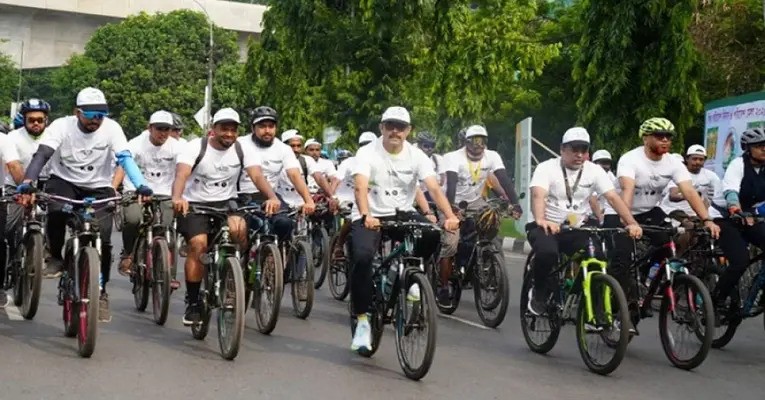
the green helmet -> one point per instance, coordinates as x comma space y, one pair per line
656, 124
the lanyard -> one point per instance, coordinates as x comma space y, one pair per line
569, 190
475, 173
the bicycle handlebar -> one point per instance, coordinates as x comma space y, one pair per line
591, 229
409, 224
87, 201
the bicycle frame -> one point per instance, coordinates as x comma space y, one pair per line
754, 290
588, 266
671, 265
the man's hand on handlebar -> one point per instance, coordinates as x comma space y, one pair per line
371, 223
26, 195
515, 211
550, 228
714, 229
180, 206
271, 206
634, 230
452, 223
309, 208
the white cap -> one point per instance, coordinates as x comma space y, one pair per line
226, 115
396, 113
92, 98
601, 155
310, 142
677, 156
367, 137
476, 130
576, 134
290, 134
696, 150
161, 117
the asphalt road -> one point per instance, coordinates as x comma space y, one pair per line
135, 359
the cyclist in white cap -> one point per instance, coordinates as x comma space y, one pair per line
704, 181
323, 165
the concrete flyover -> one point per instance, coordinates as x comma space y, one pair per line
48, 32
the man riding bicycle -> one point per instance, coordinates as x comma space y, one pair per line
386, 174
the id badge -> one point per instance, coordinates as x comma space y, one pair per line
572, 219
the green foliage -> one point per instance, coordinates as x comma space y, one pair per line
9, 80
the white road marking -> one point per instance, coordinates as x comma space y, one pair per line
464, 321
11, 310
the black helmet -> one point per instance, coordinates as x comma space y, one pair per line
264, 113
342, 154
425, 137
34, 105
177, 121
4, 127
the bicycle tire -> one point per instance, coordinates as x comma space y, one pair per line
70, 313
322, 257
338, 272
229, 340
502, 299
619, 305
161, 277
89, 267
141, 285
30, 280
200, 330
302, 308
117, 217
426, 315
707, 318
271, 283
529, 326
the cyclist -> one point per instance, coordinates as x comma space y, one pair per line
603, 159
177, 131
560, 190
467, 172
308, 169
155, 154
427, 143
643, 174
208, 175
323, 165
386, 173
743, 191
81, 149
703, 180
277, 159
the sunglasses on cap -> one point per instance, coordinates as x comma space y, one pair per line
477, 140
94, 114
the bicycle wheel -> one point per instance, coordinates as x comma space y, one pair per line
302, 285
67, 295
231, 311
89, 267
491, 289
540, 332
320, 252
416, 325
199, 331
141, 285
160, 284
338, 276
117, 216
30, 274
609, 313
375, 322
267, 292
693, 313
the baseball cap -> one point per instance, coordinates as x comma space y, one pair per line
162, 118
367, 137
290, 134
576, 135
226, 115
310, 142
396, 113
91, 99
601, 155
476, 130
696, 150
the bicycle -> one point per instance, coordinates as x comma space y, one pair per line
481, 266
319, 238
339, 267
685, 301
586, 296
222, 285
80, 282
154, 261
25, 268
395, 273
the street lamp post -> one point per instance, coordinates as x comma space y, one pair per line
210, 66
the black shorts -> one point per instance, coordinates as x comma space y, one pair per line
195, 224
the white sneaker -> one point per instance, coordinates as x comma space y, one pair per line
362, 339
414, 294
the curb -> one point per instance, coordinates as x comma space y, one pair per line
519, 246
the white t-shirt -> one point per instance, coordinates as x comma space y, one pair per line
471, 176
157, 163
287, 190
326, 167
84, 159
438, 165
216, 175
704, 182
344, 174
393, 178
549, 176
651, 178
8, 154
26, 146
272, 160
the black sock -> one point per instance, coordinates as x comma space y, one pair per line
192, 290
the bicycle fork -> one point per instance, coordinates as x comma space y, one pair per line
587, 290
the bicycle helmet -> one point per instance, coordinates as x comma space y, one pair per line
18, 121
752, 136
656, 124
177, 121
264, 113
4, 127
425, 137
34, 105
343, 154
487, 223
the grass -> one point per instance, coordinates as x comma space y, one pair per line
507, 229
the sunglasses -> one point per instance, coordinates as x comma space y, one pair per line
163, 128
663, 135
579, 148
40, 120
427, 146
94, 114
477, 140
395, 126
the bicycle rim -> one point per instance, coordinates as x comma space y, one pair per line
491, 289
66, 291
160, 285
231, 311
267, 293
302, 285
320, 251
338, 278
141, 285
89, 265
415, 327
687, 330
30, 278
540, 332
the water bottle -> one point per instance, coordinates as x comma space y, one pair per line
652, 274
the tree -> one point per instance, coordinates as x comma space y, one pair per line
636, 61
148, 62
9, 79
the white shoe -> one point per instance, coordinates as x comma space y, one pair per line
362, 339
414, 294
